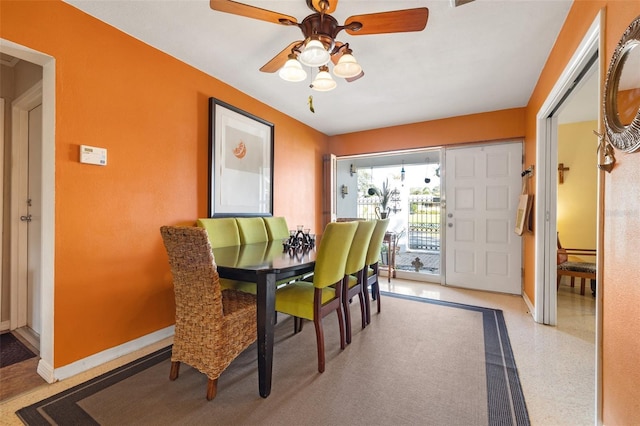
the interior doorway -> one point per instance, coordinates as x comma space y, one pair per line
584, 64
44, 313
26, 144
574, 77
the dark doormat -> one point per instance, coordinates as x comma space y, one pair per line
12, 350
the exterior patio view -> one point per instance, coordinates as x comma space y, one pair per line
414, 208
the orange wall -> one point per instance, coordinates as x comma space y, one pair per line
112, 280
489, 126
619, 288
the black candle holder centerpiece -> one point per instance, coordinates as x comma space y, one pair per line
299, 240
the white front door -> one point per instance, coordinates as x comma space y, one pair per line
482, 188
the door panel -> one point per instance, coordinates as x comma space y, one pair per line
34, 212
482, 190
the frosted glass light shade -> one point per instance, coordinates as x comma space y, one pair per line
314, 54
323, 82
347, 67
292, 71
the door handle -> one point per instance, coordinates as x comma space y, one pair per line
26, 218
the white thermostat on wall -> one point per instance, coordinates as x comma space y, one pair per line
93, 155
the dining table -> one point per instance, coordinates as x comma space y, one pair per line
266, 264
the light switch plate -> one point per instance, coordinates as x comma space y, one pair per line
93, 155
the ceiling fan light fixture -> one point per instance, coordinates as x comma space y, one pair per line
314, 54
347, 66
292, 70
323, 81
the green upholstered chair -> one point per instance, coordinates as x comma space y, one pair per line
277, 228
315, 300
213, 326
252, 230
373, 255
355, 276
223, 232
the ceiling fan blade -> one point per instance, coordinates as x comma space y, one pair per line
279, 60
396, 21
248, 11
316, 6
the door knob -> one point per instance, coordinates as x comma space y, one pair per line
450, 215
450, 225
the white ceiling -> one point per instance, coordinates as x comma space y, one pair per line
483, 56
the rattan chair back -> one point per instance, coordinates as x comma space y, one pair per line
213, 326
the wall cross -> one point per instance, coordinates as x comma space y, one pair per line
561, 170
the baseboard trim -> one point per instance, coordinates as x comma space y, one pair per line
532, 310
5, 325
103, 357
45, 370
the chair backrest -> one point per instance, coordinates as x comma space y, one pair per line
359, 247
333, 251
252, 230
196, 282
223, 232
277, 228
373, 253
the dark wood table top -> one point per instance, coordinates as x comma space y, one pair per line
262, 258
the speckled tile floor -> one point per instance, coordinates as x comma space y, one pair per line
556, 365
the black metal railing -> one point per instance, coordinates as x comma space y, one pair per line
424, 223
424, 220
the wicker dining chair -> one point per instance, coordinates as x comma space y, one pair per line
213, 326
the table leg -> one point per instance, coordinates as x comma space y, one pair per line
266, 321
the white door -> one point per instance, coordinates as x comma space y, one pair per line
482, 187
33, 224
26, 214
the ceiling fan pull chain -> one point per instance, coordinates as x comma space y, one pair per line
310, 102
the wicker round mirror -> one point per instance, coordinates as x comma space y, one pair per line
622, 92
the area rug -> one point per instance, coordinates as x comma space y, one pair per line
12, 350
420, 361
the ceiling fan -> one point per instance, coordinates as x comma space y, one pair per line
320, 45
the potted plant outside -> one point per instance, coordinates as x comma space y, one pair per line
382, 210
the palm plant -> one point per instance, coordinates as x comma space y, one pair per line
384, 196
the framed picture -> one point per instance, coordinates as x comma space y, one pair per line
240, 162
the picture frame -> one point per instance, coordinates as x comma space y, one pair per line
240, 162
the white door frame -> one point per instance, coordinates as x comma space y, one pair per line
47, 249
546, 190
